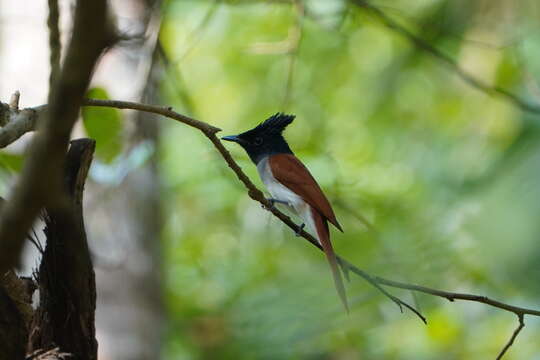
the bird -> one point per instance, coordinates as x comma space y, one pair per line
289, 182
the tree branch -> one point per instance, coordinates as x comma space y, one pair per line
257, 195
17, 122
378, 282
210, 132
40, 183
446, 60
513, 337
451, 296
166, 111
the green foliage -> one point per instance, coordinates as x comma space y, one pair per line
446, 174
103, 125
11, 162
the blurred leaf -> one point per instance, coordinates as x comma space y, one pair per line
508, 72
11, 162
443, 329
114, 173
103, 125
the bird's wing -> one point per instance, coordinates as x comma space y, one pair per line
289, 171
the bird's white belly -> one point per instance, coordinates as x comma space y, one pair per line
282, 193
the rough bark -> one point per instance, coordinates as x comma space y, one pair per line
65, 317
13, 332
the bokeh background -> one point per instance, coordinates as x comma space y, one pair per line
434, 181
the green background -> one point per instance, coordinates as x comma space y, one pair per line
448, 177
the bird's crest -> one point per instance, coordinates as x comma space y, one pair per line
275, 124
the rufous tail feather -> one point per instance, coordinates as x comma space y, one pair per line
323, 233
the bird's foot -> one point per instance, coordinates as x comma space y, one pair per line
272, 201
300, 228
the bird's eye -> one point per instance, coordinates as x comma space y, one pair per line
258, 141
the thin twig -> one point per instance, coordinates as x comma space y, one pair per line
43, 354
448, 61
147, 51
296, 34
34, 239
196, 34
451, 296
176, 79
513, 337
14, 101
340, 203
55, 46
347, 266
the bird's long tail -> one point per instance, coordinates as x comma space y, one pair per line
321, 225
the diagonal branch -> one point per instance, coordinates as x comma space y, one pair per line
210, 131
378, 282
448, 61
512, 338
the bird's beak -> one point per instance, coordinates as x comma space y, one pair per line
233, 138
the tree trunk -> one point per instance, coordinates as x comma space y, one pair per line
126, 224
66, 280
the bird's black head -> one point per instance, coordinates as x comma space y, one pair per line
265, 139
